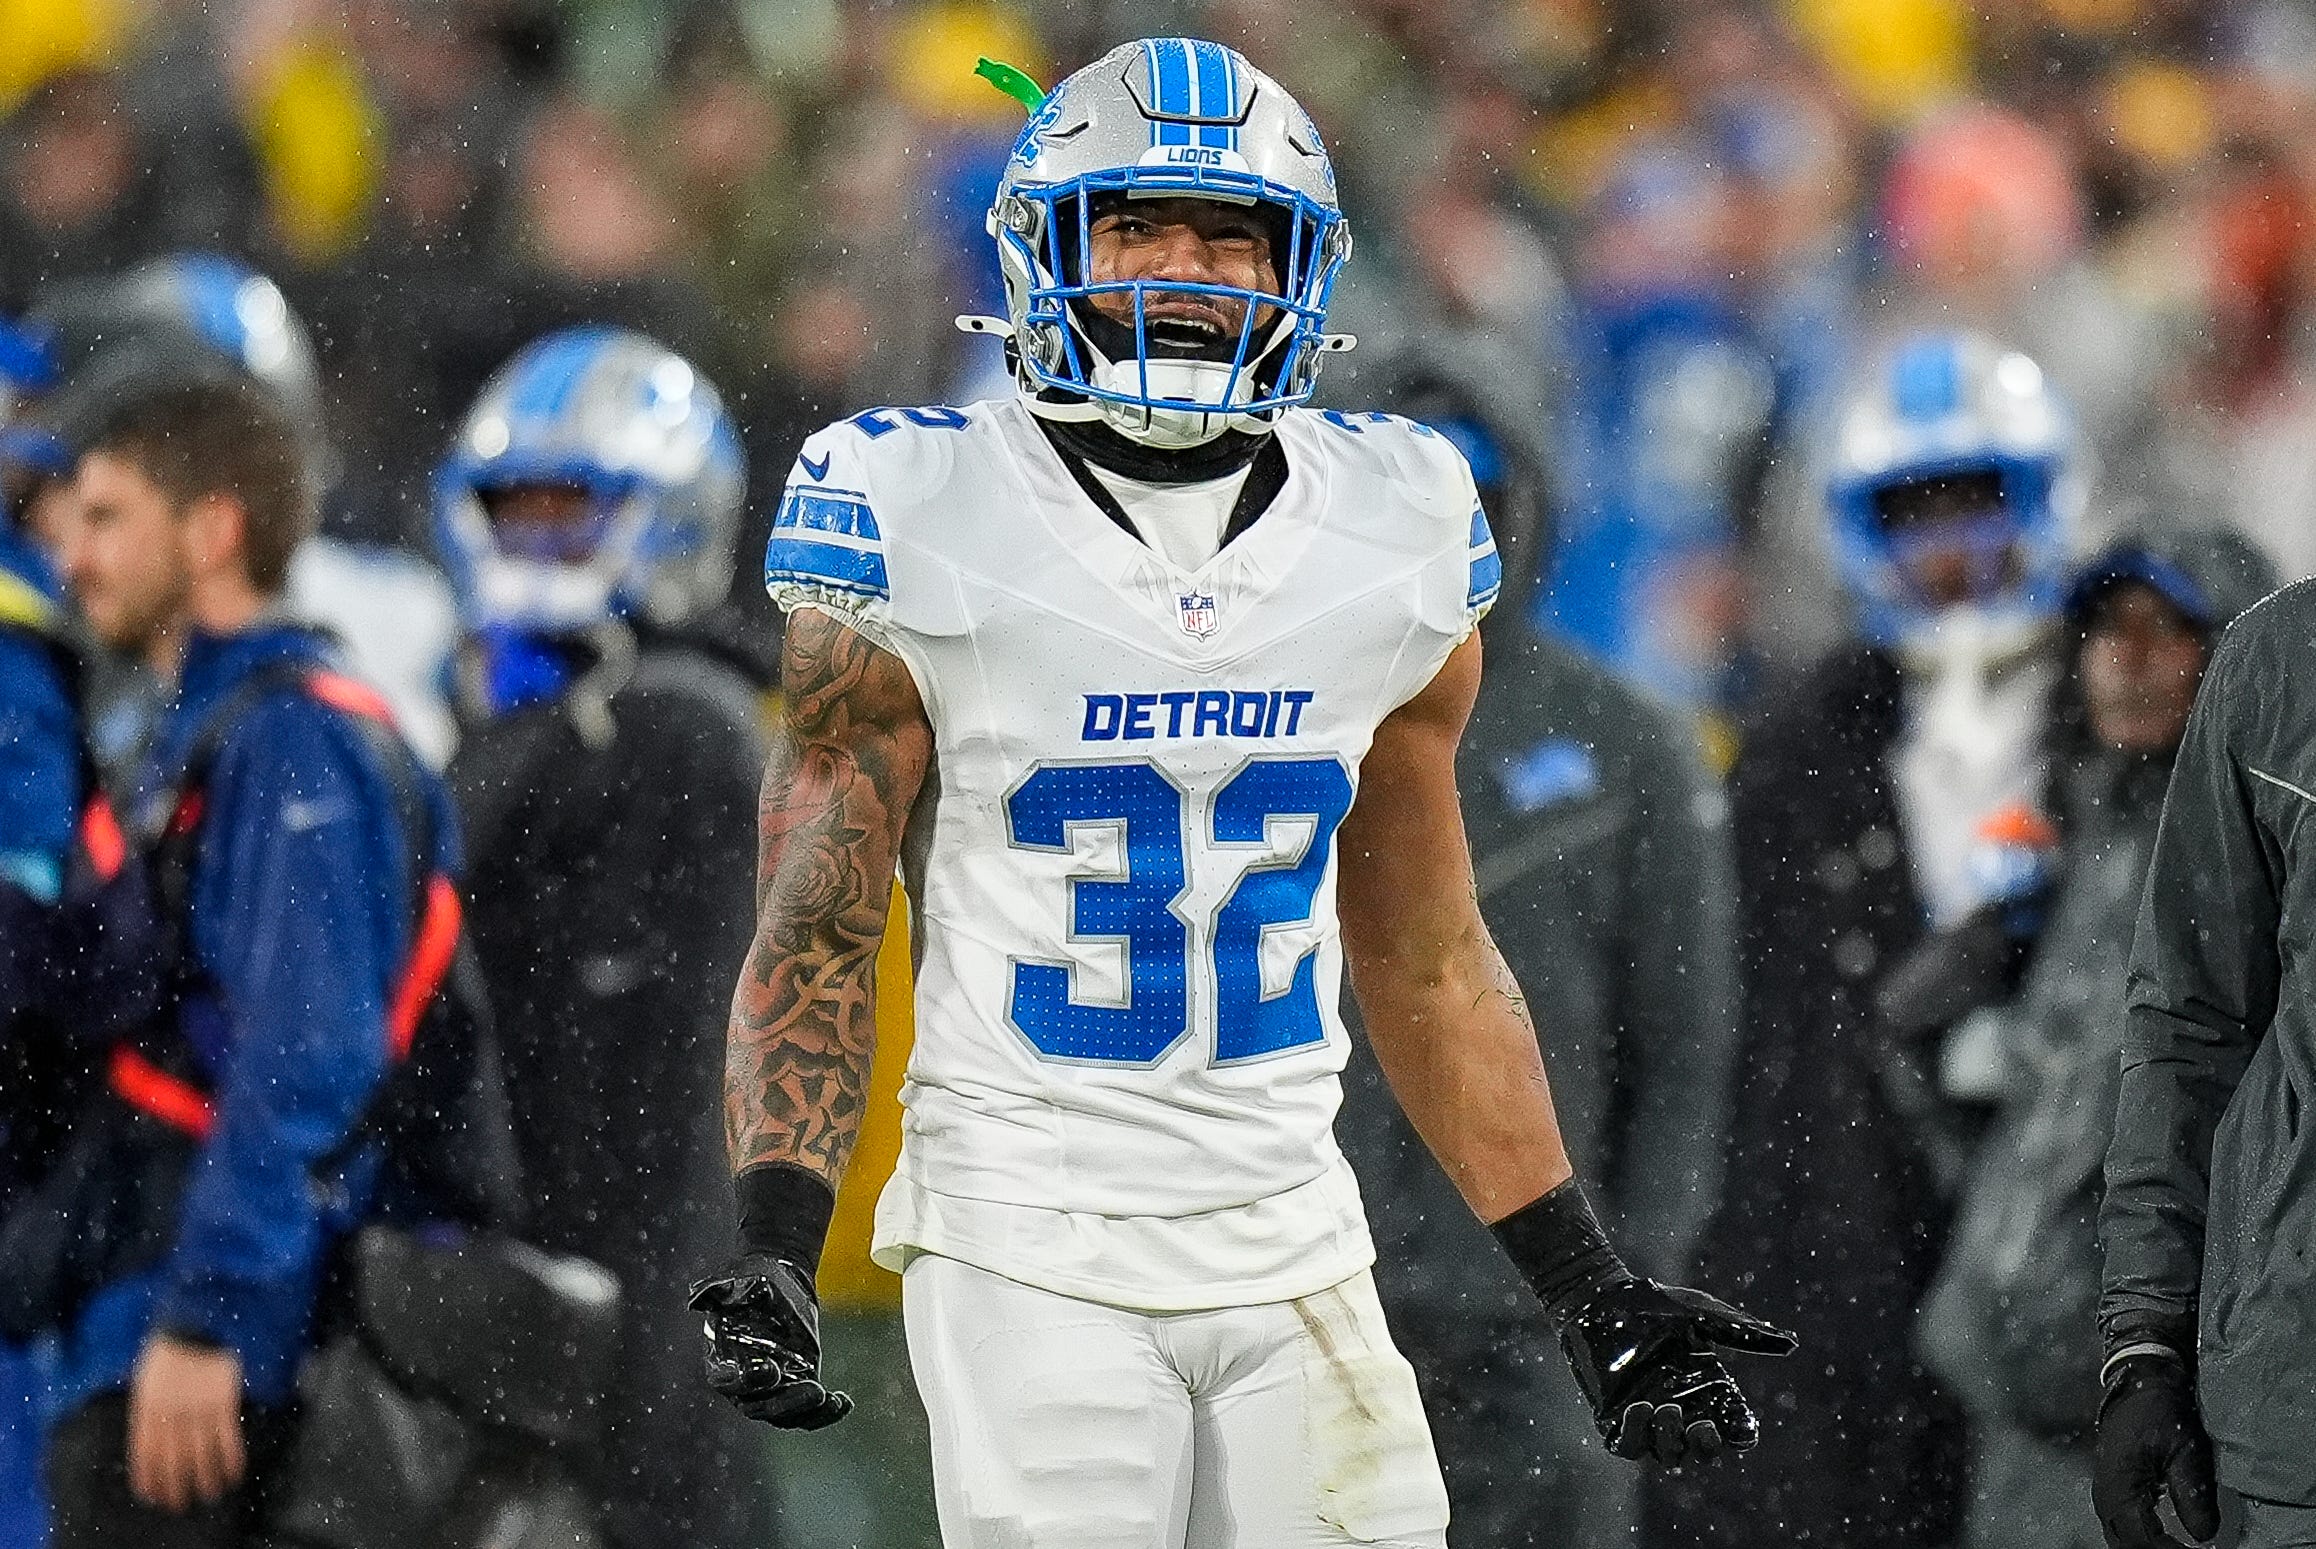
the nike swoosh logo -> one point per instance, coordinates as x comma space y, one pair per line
301, 816
818, 470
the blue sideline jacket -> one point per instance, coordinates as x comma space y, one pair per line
40, 798
40, 766
301, 917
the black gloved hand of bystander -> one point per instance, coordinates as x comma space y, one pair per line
762, 1313
1643, 1353
2151, 1444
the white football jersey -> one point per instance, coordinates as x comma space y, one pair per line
1122, 873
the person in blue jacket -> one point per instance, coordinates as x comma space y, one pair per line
40, 797
177, 1373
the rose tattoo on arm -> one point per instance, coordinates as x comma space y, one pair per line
849, 755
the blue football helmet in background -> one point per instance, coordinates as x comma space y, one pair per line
639, 442
1957, 458
1165, 118
180, 315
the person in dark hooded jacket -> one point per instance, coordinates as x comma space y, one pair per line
606, 780
2207, 1309
2010, 1324
1601, 850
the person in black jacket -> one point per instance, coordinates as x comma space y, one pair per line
2207, 1309
1601, 849
607, 780
1857, 805
2010, 1325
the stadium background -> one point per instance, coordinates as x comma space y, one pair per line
1661, 233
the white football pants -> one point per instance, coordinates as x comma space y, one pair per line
1066, 1424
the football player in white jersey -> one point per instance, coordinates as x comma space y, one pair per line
1148, 681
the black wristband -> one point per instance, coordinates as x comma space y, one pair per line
1557, 1245
784, 1212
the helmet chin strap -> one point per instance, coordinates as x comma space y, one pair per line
1193, 383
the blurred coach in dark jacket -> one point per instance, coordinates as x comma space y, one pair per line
2208, 1309
1602, 858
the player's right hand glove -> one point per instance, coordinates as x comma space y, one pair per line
763, 1334
1643, 1353
2152, 1443
762, 1314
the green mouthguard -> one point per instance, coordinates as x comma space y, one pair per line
1014, 83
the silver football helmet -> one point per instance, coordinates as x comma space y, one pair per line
631, 424
1957, 409
1165, 118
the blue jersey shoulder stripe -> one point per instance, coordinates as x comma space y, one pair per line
1487, 564
811, 508
1487, 579
825, 564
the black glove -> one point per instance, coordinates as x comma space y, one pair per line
2152, 1443
763, 1317
1643, 1353
763, 1332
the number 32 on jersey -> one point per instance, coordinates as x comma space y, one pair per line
1256, 811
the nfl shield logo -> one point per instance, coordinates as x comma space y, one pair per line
1198, 613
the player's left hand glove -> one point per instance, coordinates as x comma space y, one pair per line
1643, 1353
763, 1334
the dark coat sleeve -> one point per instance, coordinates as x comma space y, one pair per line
2205, 972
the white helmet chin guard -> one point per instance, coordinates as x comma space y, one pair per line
1165, 118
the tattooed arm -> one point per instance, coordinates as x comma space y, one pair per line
1447, 1022
848, 757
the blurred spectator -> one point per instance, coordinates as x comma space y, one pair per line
227, 1176
2011, 1324
1601, 849
1666, 433
414, 317
88, 184
1856, 807
76, 190
607, 780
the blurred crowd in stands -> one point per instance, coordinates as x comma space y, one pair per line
1667, 230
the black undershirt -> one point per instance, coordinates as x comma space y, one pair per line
1081, 442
